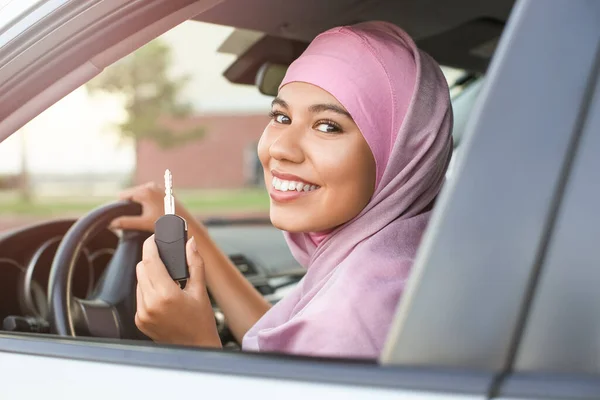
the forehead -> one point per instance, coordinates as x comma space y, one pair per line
300, 94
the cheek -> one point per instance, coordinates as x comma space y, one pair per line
263, 148
348, 173
349, 167
350, 182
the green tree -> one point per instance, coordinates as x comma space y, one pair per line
152, 97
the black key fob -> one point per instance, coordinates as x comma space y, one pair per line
170, 235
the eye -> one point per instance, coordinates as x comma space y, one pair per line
280, 117
328, 127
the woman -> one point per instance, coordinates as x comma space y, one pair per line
353, 158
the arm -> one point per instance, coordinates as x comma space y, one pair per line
240, 302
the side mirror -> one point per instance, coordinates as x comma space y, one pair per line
269, 77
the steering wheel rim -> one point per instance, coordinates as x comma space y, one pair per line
110, 311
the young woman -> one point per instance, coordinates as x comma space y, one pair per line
353, 159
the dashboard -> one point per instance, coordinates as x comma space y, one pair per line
259, 251
26, 256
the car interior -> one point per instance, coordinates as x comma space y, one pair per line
40, 263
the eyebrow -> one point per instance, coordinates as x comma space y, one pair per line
279, 102
315, 108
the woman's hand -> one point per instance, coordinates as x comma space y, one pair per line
165, 312
151, 197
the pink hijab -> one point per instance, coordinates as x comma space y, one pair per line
398, 97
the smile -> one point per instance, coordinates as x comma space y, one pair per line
285, 186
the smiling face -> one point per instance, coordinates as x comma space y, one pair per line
319, 169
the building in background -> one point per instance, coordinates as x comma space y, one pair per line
225, 158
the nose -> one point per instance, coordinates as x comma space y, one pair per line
287, 145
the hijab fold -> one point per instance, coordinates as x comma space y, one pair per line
399, 99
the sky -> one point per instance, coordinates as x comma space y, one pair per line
76, 133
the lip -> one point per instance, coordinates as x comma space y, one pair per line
290, 195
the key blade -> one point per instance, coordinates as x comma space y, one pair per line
169, 199
168, 180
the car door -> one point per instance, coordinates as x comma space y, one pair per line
477, 264
558, 353
459, 320
534, 247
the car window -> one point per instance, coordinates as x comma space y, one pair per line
99, 145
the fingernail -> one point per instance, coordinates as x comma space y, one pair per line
194, 246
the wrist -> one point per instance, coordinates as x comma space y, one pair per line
212, 342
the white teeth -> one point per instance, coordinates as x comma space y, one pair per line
284, 186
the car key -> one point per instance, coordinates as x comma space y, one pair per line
170, 235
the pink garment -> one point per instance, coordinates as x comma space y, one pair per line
318, 237
399, 98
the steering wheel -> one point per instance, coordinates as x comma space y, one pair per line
110, 310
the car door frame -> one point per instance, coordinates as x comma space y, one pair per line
557, 353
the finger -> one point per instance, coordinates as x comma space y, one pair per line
126, 222
154, 267
138, 193
130, 193
150, 250
196, 282
144, 283
141, 314
139, 298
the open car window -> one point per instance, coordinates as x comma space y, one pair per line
97, 145
65, 173
75, 171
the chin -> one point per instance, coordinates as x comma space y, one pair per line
293, 221
289, 221
285, 225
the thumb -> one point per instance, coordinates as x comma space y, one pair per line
196, 282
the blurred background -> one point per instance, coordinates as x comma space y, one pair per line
167, 105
